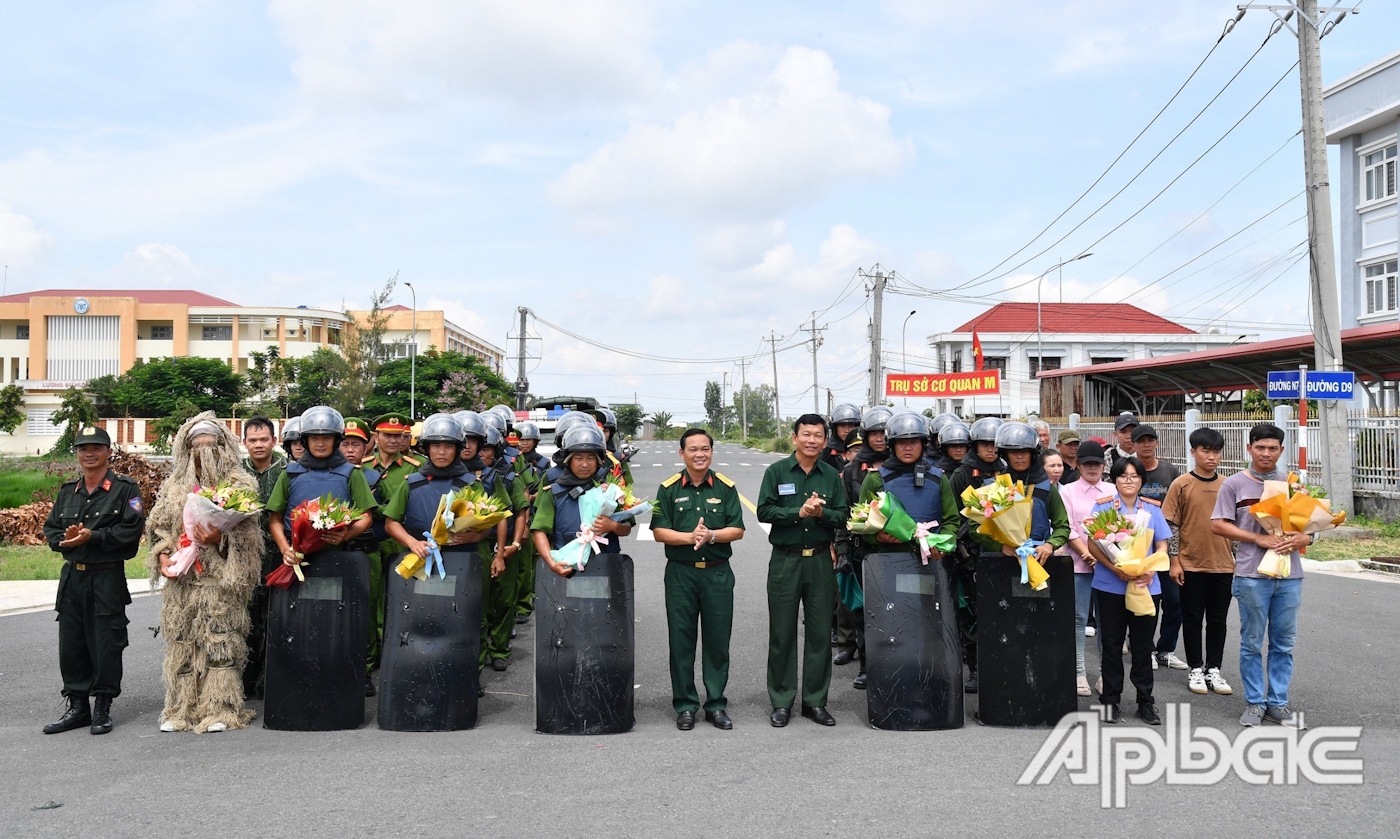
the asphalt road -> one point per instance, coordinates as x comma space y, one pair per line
804, 780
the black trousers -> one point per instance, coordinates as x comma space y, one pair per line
91, 630
1205, 595
255, 673
1116, 623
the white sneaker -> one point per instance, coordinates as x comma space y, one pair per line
217, 727
168, 726
1217, 682
1196, 681
1155, 663
1172, 661
1090, 632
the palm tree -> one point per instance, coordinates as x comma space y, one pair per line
662, 419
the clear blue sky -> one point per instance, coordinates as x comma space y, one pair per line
675, 178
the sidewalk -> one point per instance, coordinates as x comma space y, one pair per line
20, 596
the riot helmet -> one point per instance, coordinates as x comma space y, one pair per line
528, 431
472, 424
1017, 436
291, 430
845, 413
441, 428
494, 437
573, 419
607, 418
584, 438
875, 419
905, 426
984, 430
954, 434
322, 420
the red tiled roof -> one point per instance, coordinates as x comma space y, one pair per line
397, 307
1073, 318
142, 295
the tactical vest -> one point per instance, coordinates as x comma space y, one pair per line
1040, 511
922, 503
306, 484
567, 523
424, 496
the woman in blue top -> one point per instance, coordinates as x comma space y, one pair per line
1115, 621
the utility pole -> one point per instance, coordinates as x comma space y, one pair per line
772, 339
816, 342
1322, 273
724, 404
877, 288
522, 381
744, 396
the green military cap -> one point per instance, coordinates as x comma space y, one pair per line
356, 427
393, 423
92, 434
1069, 435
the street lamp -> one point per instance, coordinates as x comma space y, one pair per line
904, 346
413, 359
1039, 281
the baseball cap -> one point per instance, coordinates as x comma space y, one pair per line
92, 434
1090, 452
1144, 431
1124, 420
1069, 435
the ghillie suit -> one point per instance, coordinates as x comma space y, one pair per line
205, 614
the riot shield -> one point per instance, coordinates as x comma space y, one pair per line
584, 648
432, 637
316, 646
913, 652
1025, 644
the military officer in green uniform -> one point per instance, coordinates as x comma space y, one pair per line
96, 523
354, 445
531, 467
696, 516
804, 501
266, 465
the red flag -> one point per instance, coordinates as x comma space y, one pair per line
976, 350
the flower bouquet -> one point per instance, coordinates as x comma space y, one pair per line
1133, 556
311, 520
468, 508
1287, 507
223, 506
882, 514
1109, 527
1002, 510
602, 500
628, 505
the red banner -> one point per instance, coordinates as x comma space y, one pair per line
943, 385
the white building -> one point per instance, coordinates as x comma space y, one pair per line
1363, 118
1071, 335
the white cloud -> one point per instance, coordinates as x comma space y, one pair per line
737, 245
544, 52
1119, 289
745, 157
23, 245
163, 264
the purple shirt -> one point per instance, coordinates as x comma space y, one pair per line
1106, 580
1237, 493
1080, 498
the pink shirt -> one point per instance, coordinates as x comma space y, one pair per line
1079, 498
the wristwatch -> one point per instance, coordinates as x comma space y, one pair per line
713, 537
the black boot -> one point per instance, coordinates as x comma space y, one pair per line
77, 716
101, 714
970, 686
861, 679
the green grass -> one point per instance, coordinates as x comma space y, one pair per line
1387, 529
37, 562
779, 445
17, 488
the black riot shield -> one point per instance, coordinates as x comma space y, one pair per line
584, 648
912, 648
432, 638
316, 633
1025, 644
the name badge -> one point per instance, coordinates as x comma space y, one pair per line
787, 489
683, 498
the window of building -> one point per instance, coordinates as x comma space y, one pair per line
217, 333
957, 361
1106, 359
166, 333
995, 362
1380, 287
22, 332
1380, 173
1052, 362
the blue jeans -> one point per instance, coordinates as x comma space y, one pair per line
1083, 590
1267, 605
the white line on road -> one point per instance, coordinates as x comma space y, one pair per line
644, 533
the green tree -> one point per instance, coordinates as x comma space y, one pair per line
320, 379
11, 403
103, 391
629, 419
154, 388
75, 410
271, 379
363, 348
714, 404
445, 381
760, 409
166, 426
662, 419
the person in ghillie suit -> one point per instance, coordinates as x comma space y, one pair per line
205, 612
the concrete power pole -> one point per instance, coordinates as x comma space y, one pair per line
877, 391
744, 396
772, 339
816, 342
522, 381
1322, 273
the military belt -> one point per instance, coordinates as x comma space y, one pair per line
805, 551
709, 563
95, 566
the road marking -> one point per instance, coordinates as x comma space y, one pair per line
745, 464
767, 528
724, 464
644, 533
657, 464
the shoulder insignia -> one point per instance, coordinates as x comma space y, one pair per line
1154, 502
106, 484
1104, 500
724, 480
412, 460
672, 480
135, 503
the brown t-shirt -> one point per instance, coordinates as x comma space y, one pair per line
1189, 504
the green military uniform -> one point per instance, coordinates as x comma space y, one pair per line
874, 484
393, 472
533, 480
800, 572
499, 593
92, 592
699, 585
254, 672
360, 496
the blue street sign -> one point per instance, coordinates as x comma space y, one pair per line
1284, 385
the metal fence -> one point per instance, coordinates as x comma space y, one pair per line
1375, 444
